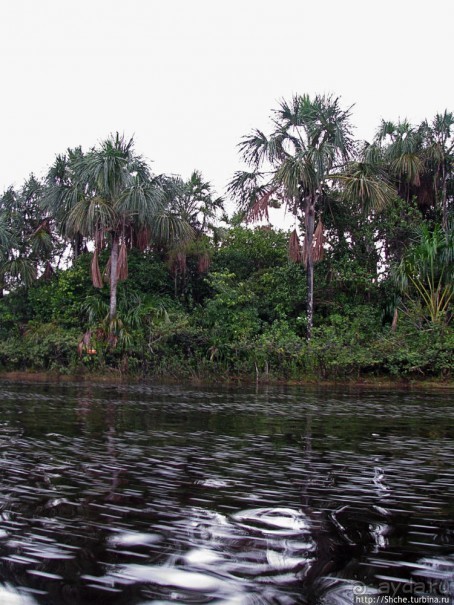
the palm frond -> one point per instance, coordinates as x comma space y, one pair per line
166, 227
426, 272
96, 309
410, 166
107, 169
21, 269
247, 187
361, 183
255, 148
297, 174
41, 240
139, 201
87, 216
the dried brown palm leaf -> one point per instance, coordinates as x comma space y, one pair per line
100, 334
95, 272
318, 241
259, 210
177, 260
204, 263
180, 262
84, 343
99, 239
143, 239
112, 340
122, 266
294, 248
48, 271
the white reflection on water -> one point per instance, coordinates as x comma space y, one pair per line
10, 596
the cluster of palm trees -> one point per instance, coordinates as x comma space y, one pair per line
105, 198
310, 161
419, 158
108, 197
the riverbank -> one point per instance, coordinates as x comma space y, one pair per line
242, 322
118, 378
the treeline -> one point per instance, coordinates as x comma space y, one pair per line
105, 266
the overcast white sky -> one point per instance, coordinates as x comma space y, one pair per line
188, 78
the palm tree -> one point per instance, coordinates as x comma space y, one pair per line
61, 194
309, 150
194, 200
426, 271
402, 146
439, 149
114, 200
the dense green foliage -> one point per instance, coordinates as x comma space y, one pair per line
250, 323
229, 301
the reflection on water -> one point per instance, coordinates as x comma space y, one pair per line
138, 495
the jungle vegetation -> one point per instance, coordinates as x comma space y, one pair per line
106, 267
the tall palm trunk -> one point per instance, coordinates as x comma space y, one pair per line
114, 275
309, 257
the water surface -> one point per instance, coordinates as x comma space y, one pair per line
155, 494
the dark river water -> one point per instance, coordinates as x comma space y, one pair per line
145, 495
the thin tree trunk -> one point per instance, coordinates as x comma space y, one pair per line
395, 318
310, 225
77, 245
113, 275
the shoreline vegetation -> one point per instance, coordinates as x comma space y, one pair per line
112, 378
246, 324
111, 272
